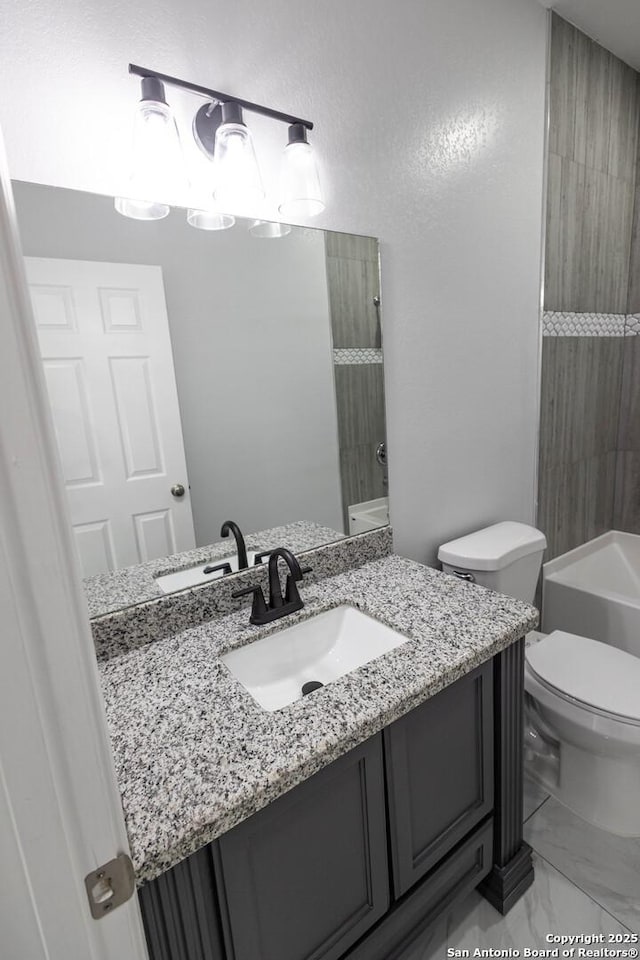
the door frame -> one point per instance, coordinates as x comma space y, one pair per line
60, 811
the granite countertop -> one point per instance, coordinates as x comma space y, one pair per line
108, 592
195, 754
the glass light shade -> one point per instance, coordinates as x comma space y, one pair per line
141, 209
238, 183
158, 176
268, 230
300, 193
210, 220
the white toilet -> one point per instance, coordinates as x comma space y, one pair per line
582, 697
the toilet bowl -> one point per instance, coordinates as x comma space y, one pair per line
582, 704
582, 697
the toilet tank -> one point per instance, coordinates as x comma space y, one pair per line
505, 557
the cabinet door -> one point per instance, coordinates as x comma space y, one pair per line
306, 876
439, 762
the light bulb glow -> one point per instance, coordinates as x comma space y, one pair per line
300, 192
158, 178
238, 183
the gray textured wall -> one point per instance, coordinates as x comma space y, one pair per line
593, 134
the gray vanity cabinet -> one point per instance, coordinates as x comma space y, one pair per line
439, 760
307, 876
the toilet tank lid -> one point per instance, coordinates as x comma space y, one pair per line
493, 547
590, 671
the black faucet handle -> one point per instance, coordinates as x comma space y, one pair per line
225, 567
258, 607
259, 557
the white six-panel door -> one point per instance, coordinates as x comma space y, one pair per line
104, 340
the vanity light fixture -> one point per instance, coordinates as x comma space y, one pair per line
159, 181
237, 176
300, 193
157, 177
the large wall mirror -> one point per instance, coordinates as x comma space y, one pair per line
200, 376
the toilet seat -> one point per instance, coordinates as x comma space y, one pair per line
594, 675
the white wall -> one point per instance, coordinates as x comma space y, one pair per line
430, 124
251, 337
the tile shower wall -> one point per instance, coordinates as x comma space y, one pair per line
354, 285
593, 134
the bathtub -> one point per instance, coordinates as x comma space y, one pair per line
368, 515
594, 591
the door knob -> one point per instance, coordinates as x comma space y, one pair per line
177, 490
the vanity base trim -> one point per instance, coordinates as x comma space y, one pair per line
505, 885
512, 872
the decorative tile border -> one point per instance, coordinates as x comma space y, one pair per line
633, 325
357, 355
556, 324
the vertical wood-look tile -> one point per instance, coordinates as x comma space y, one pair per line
576, 502
624, 112
589, 225
593, 137
554, 266
598, 114
361, 474
603, 248
353, 284
629, 432
633, 302
580, 394
627, 505
351, 247
568, 89
567, 212
360, 402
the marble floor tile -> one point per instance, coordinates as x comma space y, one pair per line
534, 796
552, 905
604, 866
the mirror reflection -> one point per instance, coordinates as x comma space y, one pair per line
197, 377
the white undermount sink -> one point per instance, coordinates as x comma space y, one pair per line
322, 648
193, 576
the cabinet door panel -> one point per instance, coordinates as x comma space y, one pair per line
440, 772
304, 878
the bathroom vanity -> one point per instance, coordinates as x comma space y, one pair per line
346, 823
380, 842
337, 824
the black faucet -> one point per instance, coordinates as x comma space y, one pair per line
278, 606
229, 526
